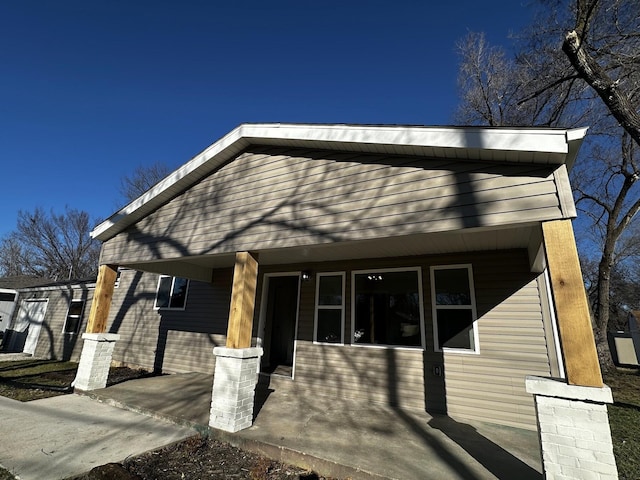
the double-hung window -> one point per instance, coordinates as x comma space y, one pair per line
329, 317
387, 307
454, 309
172, 293
74, 316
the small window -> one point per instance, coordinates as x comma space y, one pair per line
172, 293
7, 297
387, 308
329, 319
454, 309
74, 317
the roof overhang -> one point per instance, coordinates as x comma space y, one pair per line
520, 145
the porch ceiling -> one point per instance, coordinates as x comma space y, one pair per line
482, 239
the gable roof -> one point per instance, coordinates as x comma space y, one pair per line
527, 145
15, 282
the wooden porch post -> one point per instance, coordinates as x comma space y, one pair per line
243, 298
102, 296
572, 309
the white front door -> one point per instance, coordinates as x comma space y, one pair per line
31, 315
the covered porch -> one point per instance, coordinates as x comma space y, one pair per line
299, 426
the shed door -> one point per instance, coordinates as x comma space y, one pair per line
30, 318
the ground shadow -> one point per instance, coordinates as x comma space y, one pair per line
262, 393
492, 456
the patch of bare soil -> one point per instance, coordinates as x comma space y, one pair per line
199, 458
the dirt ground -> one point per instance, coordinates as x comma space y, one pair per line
198, 458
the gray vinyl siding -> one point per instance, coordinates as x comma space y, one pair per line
52, 342
171, 341
488, 386
272, 197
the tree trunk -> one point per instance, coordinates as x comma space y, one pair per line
602, 312
604, 353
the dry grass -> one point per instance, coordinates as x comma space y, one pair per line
624, 418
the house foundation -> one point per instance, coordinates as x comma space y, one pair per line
95, 360
573, 424
234, 384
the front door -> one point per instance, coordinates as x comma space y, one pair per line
280, 324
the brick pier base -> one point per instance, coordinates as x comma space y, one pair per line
95, 360
574, 429
234, 385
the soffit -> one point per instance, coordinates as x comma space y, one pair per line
470, 240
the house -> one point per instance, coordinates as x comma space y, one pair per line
8, 295
49, 318
423, 267
625, 345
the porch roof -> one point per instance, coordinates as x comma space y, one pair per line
519, 145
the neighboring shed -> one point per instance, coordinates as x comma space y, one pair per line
49, 319
8, 294
408, 266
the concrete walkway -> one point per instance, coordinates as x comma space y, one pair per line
59, 437
341, 438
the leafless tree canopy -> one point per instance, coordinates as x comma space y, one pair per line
50, 245
141, 180
578, 64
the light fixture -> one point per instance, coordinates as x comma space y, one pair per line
306, 276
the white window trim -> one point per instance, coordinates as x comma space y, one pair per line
472, 307
119, 271
173, 280
329, 307
420, 305
64, 326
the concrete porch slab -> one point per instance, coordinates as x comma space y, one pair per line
339, 437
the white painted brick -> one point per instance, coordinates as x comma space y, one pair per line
575, 433
578, 453
557, 439
564, 411
562, 421
233, 393
553, 468
567, 461
599, 416
548, 428
597, 446
579, 474
605, 458
599, 467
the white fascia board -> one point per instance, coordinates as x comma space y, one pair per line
70, 286
506, 139
370, 137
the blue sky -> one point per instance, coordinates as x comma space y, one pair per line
91, 89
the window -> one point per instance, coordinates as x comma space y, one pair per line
74, 316
454, 309
387, 308
329, 321
172, 292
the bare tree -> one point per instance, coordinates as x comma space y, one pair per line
49, 245
11, 255
141, 180
577, 65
